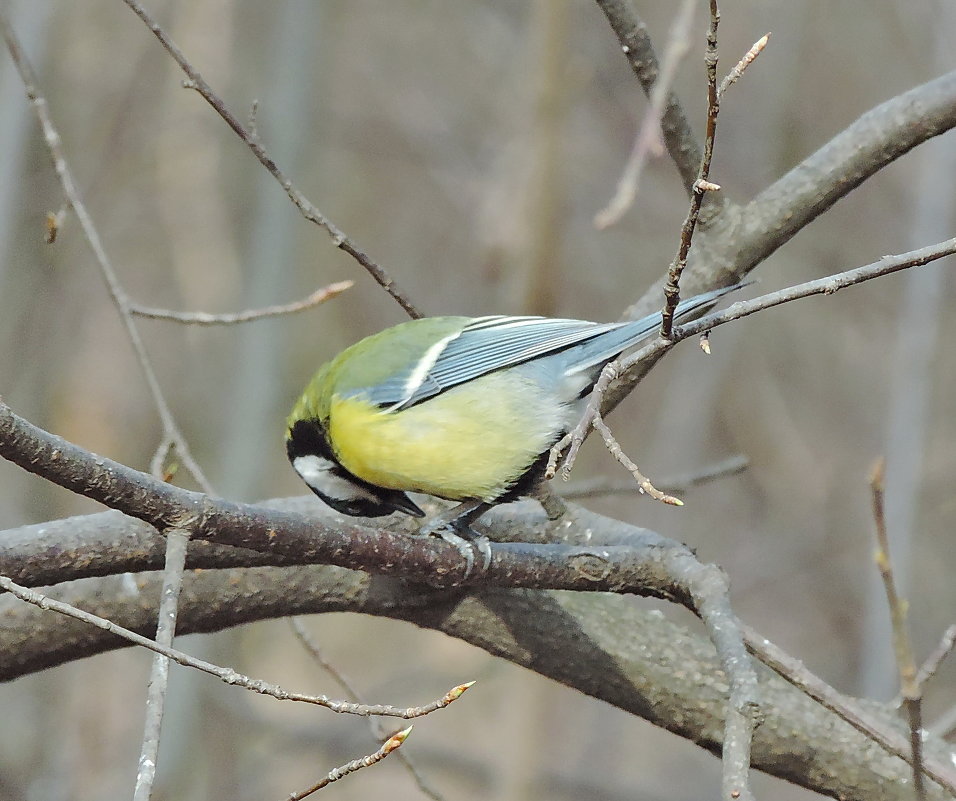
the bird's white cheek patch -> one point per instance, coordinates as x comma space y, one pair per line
319, 474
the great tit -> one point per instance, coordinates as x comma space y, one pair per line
461, 408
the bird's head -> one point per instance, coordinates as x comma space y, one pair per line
313, 459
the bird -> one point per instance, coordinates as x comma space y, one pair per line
461, 408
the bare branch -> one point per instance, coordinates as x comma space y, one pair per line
906, 664
632, 657
317, 298
822, 286
393, 742
645, 141
643, 483
738, 70
574, 439
349, 544
117, 293
301, 202
228, 675
671, 572
701, 184
631, 32
848, 709
176, 542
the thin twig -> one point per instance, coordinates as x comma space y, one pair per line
946, 645
393, 742
795, 672
590, 488
378, 730
228, 675
116, 291
821, 286
301, 202
573, 440
701, 186
909, 686
631, 366
632, 33
741, 65
248, 315
176, 543
647, 138
617, 452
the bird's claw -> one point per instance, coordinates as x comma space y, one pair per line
465, 541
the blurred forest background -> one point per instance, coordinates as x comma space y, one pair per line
466, 146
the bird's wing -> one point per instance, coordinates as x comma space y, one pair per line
487, 344
483, 346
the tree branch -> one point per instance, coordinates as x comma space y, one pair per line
306, 208
741, 237
631, 32
602, 645
669, 570
341, 542
172, 435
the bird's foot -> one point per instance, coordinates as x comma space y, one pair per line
453, 527
467, 546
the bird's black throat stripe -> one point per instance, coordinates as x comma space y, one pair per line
308, 438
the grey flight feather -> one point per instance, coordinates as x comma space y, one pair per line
488, 344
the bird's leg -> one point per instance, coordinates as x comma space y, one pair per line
454, 527
554, 507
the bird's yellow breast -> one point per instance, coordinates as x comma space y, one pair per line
472, 441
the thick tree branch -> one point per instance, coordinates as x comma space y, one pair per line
602, 645
866, 146
741, 237
338, 541
667, 570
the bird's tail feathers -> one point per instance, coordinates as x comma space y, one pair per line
608, 345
